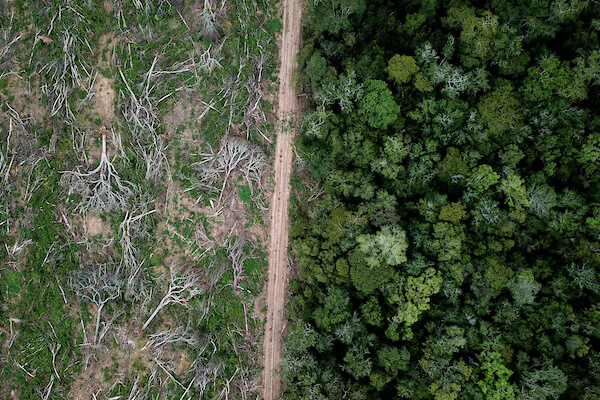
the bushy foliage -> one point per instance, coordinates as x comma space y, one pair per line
458, 226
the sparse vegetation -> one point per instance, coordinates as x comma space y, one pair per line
125, 268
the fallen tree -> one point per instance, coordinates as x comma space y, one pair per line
183, 286
215, 168
101, 189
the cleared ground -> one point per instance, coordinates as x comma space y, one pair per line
289, 108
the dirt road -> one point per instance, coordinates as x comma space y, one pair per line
288, 107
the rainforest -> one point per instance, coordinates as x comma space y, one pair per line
445, 217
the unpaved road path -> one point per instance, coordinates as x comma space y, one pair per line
288, 107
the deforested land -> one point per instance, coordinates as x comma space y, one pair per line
136, 142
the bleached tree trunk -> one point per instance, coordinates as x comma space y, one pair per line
182, 288
102, 189
98, 286
237, 256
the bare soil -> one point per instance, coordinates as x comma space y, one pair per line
95, 226
288, 106
105, 97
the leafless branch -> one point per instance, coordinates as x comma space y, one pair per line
48, 388
243, 92
238, 255
71, 70
5, 187
129, 228
214, 271
183, 286
234, 154
168, 368
100, 285
154, 156
208, 28
102, 189
36, 176
166, 336
206, 373
140, 112
106, 325
8, 37
208, 61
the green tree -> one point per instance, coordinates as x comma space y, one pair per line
482, 178
377, 104
334, 309
477, 33
516, 195
549, 78
500, 110
372, 264
316, 68
388, 246
402, 68
393, 359
412, 295
446, 374
453, 164
453, 212
372, 312
448, 242
495, 384
358, 363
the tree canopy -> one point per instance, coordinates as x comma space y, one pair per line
445, 230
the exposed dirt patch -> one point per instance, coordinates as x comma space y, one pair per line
24, 98
105, 96
182, 121
105, 99
108, 6
288, 104
95, 226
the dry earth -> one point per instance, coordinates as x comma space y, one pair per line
105, 97
288, 106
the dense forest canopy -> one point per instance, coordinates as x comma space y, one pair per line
447, 227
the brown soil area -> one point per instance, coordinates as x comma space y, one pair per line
288, 106
95, 226
105, 97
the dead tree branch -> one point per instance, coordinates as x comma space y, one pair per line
208, 25
102, 189
208, 61
238, 256
99, 285
48, 388
128, 230
140, 113
8, 37
5, 187
165, 336
71, 70
183, 286
234, 154
206, 373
